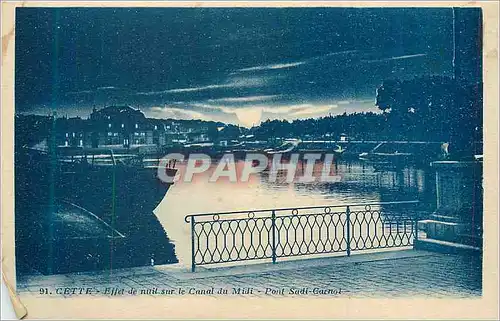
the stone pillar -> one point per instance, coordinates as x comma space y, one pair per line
457, 187
458, 217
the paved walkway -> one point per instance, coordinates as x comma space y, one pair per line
407, 273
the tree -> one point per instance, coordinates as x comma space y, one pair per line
433, 108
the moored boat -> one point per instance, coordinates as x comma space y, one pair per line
396, 155
121, 192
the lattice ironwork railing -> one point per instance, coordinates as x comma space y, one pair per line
285, 232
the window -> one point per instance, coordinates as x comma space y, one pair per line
143, 134
109, 125
110, 134
156, 127
136, 126
123, 125
81, 143
73, 134
115, 134
67, 134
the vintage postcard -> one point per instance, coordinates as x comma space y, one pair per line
250, 159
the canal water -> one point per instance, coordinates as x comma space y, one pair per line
357, 183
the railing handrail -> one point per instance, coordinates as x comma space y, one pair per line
187, 217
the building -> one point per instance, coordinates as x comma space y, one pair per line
72, 132
120, 125
124, 126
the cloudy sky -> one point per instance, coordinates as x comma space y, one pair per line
239, 66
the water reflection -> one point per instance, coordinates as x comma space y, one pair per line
359, 183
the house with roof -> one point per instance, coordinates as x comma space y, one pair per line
123, 126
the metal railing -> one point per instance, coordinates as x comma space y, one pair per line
285, 232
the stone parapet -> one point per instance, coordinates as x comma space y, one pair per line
458, 217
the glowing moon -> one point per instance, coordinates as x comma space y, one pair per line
249, 116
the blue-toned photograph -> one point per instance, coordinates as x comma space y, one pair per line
249, 152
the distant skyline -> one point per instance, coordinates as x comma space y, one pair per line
235, 65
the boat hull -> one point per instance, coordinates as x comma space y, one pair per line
123, 197
114, 193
